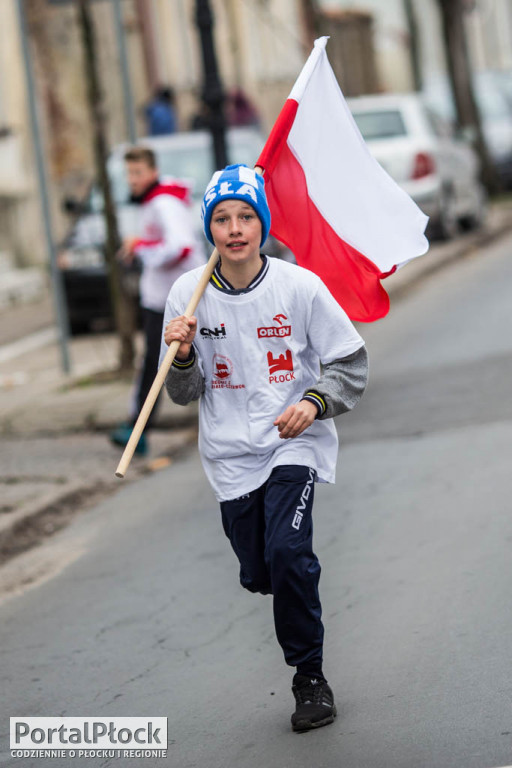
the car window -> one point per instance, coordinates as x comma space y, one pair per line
381, 124
192, 163
492, 103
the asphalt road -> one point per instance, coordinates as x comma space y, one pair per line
144, 614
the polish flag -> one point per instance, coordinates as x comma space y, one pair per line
332, 204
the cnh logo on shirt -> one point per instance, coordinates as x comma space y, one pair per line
217, 333
280, 330
282, 363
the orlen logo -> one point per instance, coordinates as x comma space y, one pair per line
217, 333
282, 363
282, 330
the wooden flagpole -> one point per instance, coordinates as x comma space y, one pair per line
164, 370
157, 385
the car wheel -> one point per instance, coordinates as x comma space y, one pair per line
78, 327
476, 218
448, 224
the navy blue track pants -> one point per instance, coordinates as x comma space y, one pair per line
271, 532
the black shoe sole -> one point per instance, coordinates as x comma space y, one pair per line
307, 725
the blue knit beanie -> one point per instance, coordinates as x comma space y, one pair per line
236, 182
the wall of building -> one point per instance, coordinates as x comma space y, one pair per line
261, 45
260, 49
20, 221
490, 34
390, 40
489, 27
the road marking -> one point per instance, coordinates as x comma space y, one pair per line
28, 343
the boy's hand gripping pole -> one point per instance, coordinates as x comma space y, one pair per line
150, 400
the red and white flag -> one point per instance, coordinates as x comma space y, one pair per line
331, 202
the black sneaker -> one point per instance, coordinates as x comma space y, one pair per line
315, 703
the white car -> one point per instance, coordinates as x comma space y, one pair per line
418, 150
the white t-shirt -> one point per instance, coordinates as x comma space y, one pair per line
169, 249
259, 352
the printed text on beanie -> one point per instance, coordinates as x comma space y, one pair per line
236, 182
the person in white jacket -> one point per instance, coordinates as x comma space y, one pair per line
252, 354
167, 248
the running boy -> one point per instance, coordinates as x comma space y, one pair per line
253, 354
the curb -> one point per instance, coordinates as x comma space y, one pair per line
164, 423
91, 426
426, 267
38, 520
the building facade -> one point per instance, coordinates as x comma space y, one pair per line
261, 46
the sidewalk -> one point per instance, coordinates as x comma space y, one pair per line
17, 322
37, 399
21, 287
55, 456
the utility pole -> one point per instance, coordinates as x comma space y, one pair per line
414, 43
232, 11
311, 21
212, 93
124, 313
56, 276
129, 109
459, 69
